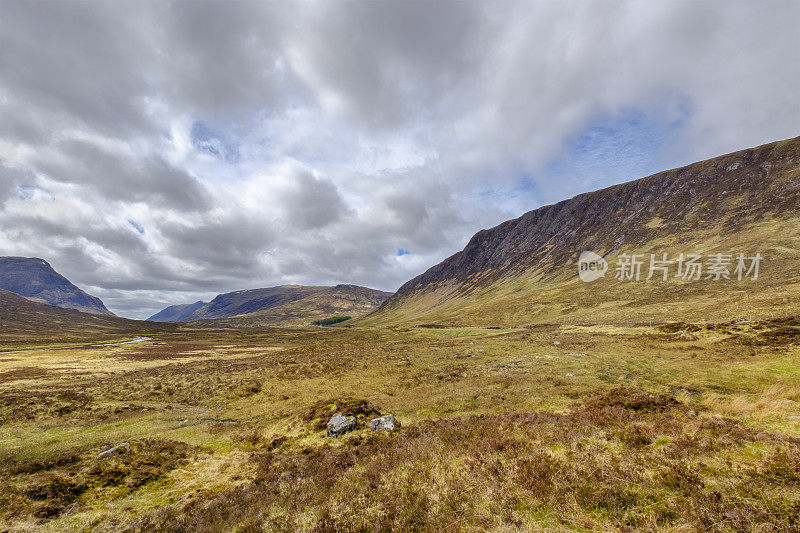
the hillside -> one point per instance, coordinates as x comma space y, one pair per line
525, 270
286, 305
176, 313
36, 280
24, 323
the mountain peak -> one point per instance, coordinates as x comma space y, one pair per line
35, 279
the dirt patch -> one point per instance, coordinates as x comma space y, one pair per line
633, 400
780, 336
675, 327
25, 372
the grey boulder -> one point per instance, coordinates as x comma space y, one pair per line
384, 423
340, 424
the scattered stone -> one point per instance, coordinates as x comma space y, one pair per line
183, 423
340, 424
119, 448
577, 354
556, 343
569, 375
384, 423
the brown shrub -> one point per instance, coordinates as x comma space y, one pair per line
320, 412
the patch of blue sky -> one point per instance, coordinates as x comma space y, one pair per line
34, 193
613, 148
213, 142
136, 226
27, 192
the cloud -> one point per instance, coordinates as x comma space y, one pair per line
311, 202
121, 175
160, 152
10, 180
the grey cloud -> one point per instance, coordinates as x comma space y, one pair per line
138, 178
312, 203
230, 244
470, 96
33, 227
393, 62
76, 63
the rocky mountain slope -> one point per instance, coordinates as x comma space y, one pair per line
176, 313
287, 305
525, 270
26, 322
36, 280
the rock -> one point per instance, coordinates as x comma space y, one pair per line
116, 449
556, 343
384, 423
340, 424
577, 354
569, 374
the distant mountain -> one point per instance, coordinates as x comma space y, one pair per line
284, 305
176, 313
526, 270
36, 280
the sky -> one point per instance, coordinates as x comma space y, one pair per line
158, 153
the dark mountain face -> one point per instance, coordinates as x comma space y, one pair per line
35, 279
283, 305
701, 203
176, 313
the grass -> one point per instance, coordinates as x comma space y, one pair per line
613, 428
558, 296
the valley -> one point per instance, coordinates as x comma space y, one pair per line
497, 391
399, 266
558, 426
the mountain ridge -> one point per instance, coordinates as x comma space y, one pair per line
728, 194
284, 305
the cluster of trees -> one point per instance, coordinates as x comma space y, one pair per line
331, 320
